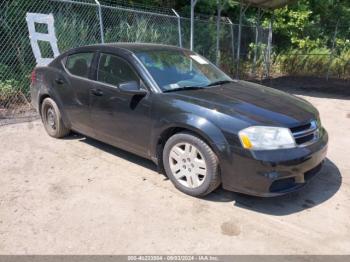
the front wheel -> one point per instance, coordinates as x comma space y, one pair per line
52, 120
191, 164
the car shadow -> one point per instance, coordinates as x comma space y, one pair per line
319, 190
114, 151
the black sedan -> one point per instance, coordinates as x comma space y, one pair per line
171, 105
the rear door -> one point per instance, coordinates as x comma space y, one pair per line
120, 118
75, 89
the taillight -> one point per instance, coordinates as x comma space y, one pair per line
33, 77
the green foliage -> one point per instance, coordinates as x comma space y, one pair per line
290, 25
295, 61
8, 90
340, 65
313, 62
141, 29
74, 30
310, 24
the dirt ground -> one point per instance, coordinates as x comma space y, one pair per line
79, 196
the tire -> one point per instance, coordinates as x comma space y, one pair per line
52, 120
191, 164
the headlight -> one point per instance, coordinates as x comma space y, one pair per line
266, 138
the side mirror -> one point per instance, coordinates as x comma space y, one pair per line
132, 87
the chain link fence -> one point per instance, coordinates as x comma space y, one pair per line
83, 22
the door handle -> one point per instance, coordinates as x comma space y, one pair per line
96, 92
59, 81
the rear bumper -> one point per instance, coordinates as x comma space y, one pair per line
273, 172
34, 95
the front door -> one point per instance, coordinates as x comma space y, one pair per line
120, 118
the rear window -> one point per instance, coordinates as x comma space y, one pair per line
79, 64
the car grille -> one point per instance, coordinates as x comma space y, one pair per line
306, 134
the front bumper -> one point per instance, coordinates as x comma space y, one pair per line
273, 172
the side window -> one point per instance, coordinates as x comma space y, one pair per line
79, 64
113, 70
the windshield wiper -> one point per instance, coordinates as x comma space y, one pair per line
184, 88
219, 82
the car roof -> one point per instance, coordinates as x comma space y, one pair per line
132, 47
121, 47
137, 47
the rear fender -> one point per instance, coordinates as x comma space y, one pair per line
47, 89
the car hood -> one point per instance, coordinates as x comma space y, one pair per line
251, 102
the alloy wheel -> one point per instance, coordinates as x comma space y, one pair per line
187, 165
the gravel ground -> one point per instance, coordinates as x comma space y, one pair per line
79, 196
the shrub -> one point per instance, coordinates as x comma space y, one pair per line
9, 90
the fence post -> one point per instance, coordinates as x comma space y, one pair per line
239, 39
269, 48
218, 18
193, 4
332, 51
256, 41
242, 11
232, 40
178, 26
101, 21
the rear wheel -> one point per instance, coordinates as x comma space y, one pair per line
52, 120
191, 164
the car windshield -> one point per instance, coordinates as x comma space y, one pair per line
181, 69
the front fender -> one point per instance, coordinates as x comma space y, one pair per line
199, 125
